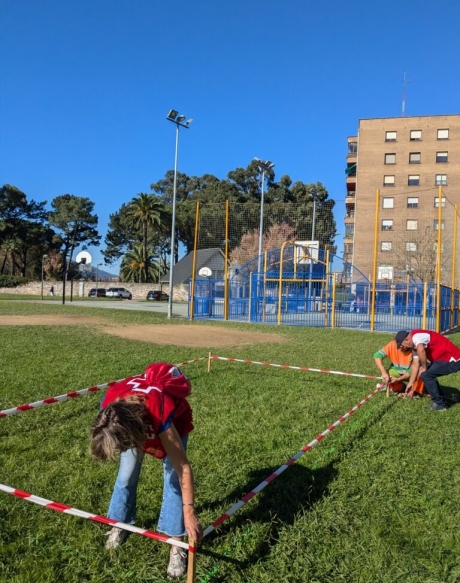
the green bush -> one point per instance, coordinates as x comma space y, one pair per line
12, 281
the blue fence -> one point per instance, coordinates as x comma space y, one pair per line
314, 295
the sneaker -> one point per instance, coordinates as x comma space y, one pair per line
177, 562
117, 537
438, 406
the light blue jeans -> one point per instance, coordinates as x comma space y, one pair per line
123, 502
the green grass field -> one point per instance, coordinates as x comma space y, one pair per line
376, 501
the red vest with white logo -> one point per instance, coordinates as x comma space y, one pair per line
439, 347
159, 404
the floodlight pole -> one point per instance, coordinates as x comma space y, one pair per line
174, 117
43, 261
264, 166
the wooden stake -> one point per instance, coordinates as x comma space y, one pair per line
388, 390
209, 362
191, 566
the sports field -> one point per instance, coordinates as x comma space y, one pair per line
376, 501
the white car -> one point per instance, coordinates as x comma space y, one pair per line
118, 292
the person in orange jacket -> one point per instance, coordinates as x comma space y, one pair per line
403, 362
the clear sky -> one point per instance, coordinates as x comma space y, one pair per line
85, 86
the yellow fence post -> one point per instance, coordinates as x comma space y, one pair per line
374, 269
438, 263
226, 282
333, 301
425, 304
195, 244
454, 265
280, 290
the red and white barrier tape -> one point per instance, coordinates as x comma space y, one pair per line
89, 516
74, 394
347, 374
281, 469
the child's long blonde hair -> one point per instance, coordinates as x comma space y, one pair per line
119, 426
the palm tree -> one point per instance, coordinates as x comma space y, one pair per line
134, 268
143, 212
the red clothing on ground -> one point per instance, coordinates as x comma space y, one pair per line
439, 348
160, 405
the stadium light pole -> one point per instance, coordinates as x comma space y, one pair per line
264, 166
43, 261
179, 120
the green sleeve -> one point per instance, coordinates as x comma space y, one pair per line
380, 354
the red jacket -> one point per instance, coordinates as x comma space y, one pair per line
159, 387
439, 347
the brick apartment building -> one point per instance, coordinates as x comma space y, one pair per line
406, 158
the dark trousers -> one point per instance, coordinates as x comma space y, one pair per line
436, 369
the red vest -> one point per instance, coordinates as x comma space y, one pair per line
160, 407
439, 347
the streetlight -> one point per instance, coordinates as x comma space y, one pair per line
264, 166
43, 261
178, 119
97, 275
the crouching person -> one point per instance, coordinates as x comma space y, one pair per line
150, 414
402, 362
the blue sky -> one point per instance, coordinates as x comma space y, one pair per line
85, 87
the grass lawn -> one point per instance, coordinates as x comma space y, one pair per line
376, 501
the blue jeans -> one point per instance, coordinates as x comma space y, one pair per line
437, 369
123, 502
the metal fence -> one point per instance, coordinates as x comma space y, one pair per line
314, 293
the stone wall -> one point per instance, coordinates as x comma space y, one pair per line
139, 290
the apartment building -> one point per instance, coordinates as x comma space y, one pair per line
407, 159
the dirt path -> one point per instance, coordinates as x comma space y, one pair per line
176, 334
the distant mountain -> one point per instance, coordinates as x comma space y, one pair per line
103, 275
92, 273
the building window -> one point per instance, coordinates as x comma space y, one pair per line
387, 225
436, 202
443, 134
352, 148
413, 180
415, 158
390, 136
435, 225
386, 246
388, 180
390, 158
411, 225
442, 156
415, 135
411, 246
349, 231
349, 248
412, 202
440, 180
388, 203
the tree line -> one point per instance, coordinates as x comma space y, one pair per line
139, 231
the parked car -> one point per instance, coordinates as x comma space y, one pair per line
157, 295
97, 292
118, 292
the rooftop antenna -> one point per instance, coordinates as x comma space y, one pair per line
405, 82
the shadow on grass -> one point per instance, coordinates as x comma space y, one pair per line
452, 394
295, 491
